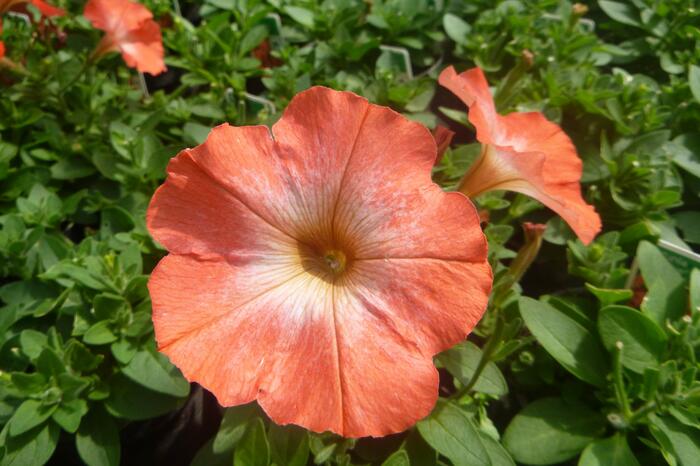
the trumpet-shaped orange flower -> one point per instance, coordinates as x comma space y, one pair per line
2, 44
130, 29
316, 268
523, 152
43, 7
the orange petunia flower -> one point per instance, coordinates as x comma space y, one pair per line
43, 7
522, 152
316, 268
131, 30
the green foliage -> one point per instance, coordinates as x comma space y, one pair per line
592, 357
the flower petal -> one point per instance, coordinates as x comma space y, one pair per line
261, 330
316, 137
388, 205
142, 49
324, 357
245, 161
472, 88
192, 214
129, 26
48, 10
524, 172
554, 180
433, 315
254, 317
443, 137
116, 16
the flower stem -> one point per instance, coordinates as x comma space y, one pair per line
619, 382
641, 412
489, 349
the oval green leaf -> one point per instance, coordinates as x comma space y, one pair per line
550, 431
644, 342
451, 433
612, 451
576, 348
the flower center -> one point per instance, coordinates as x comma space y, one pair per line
327, 261
335, 261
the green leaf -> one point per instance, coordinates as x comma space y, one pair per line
644, 341
32, 343
612, 451
80, 358
219, 450
686, 153
663, 303
77, 274
301, 15
656, 268
694, 81
29, 383
32, 448
70, 168
498, 455
621, 12
97, 440
252, 39
451, 433
253, 449
100, 334
549, 431
680, 441
398, 458
124, 350
69, 414
108, 305
456, 28
461, 361
195, 133
289, 445
569, 342
29, 414
695, 291
154, 371
607, 297
419, 452
128, 400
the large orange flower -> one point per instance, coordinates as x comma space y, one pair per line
43, 7
131, 30
316, 268
522, 152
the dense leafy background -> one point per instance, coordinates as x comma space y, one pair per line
591, 358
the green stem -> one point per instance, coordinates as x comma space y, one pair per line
641, 412
488, 351
620, 392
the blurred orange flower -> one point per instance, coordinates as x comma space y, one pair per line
316, 268
523, 152
43, 7
131, 30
